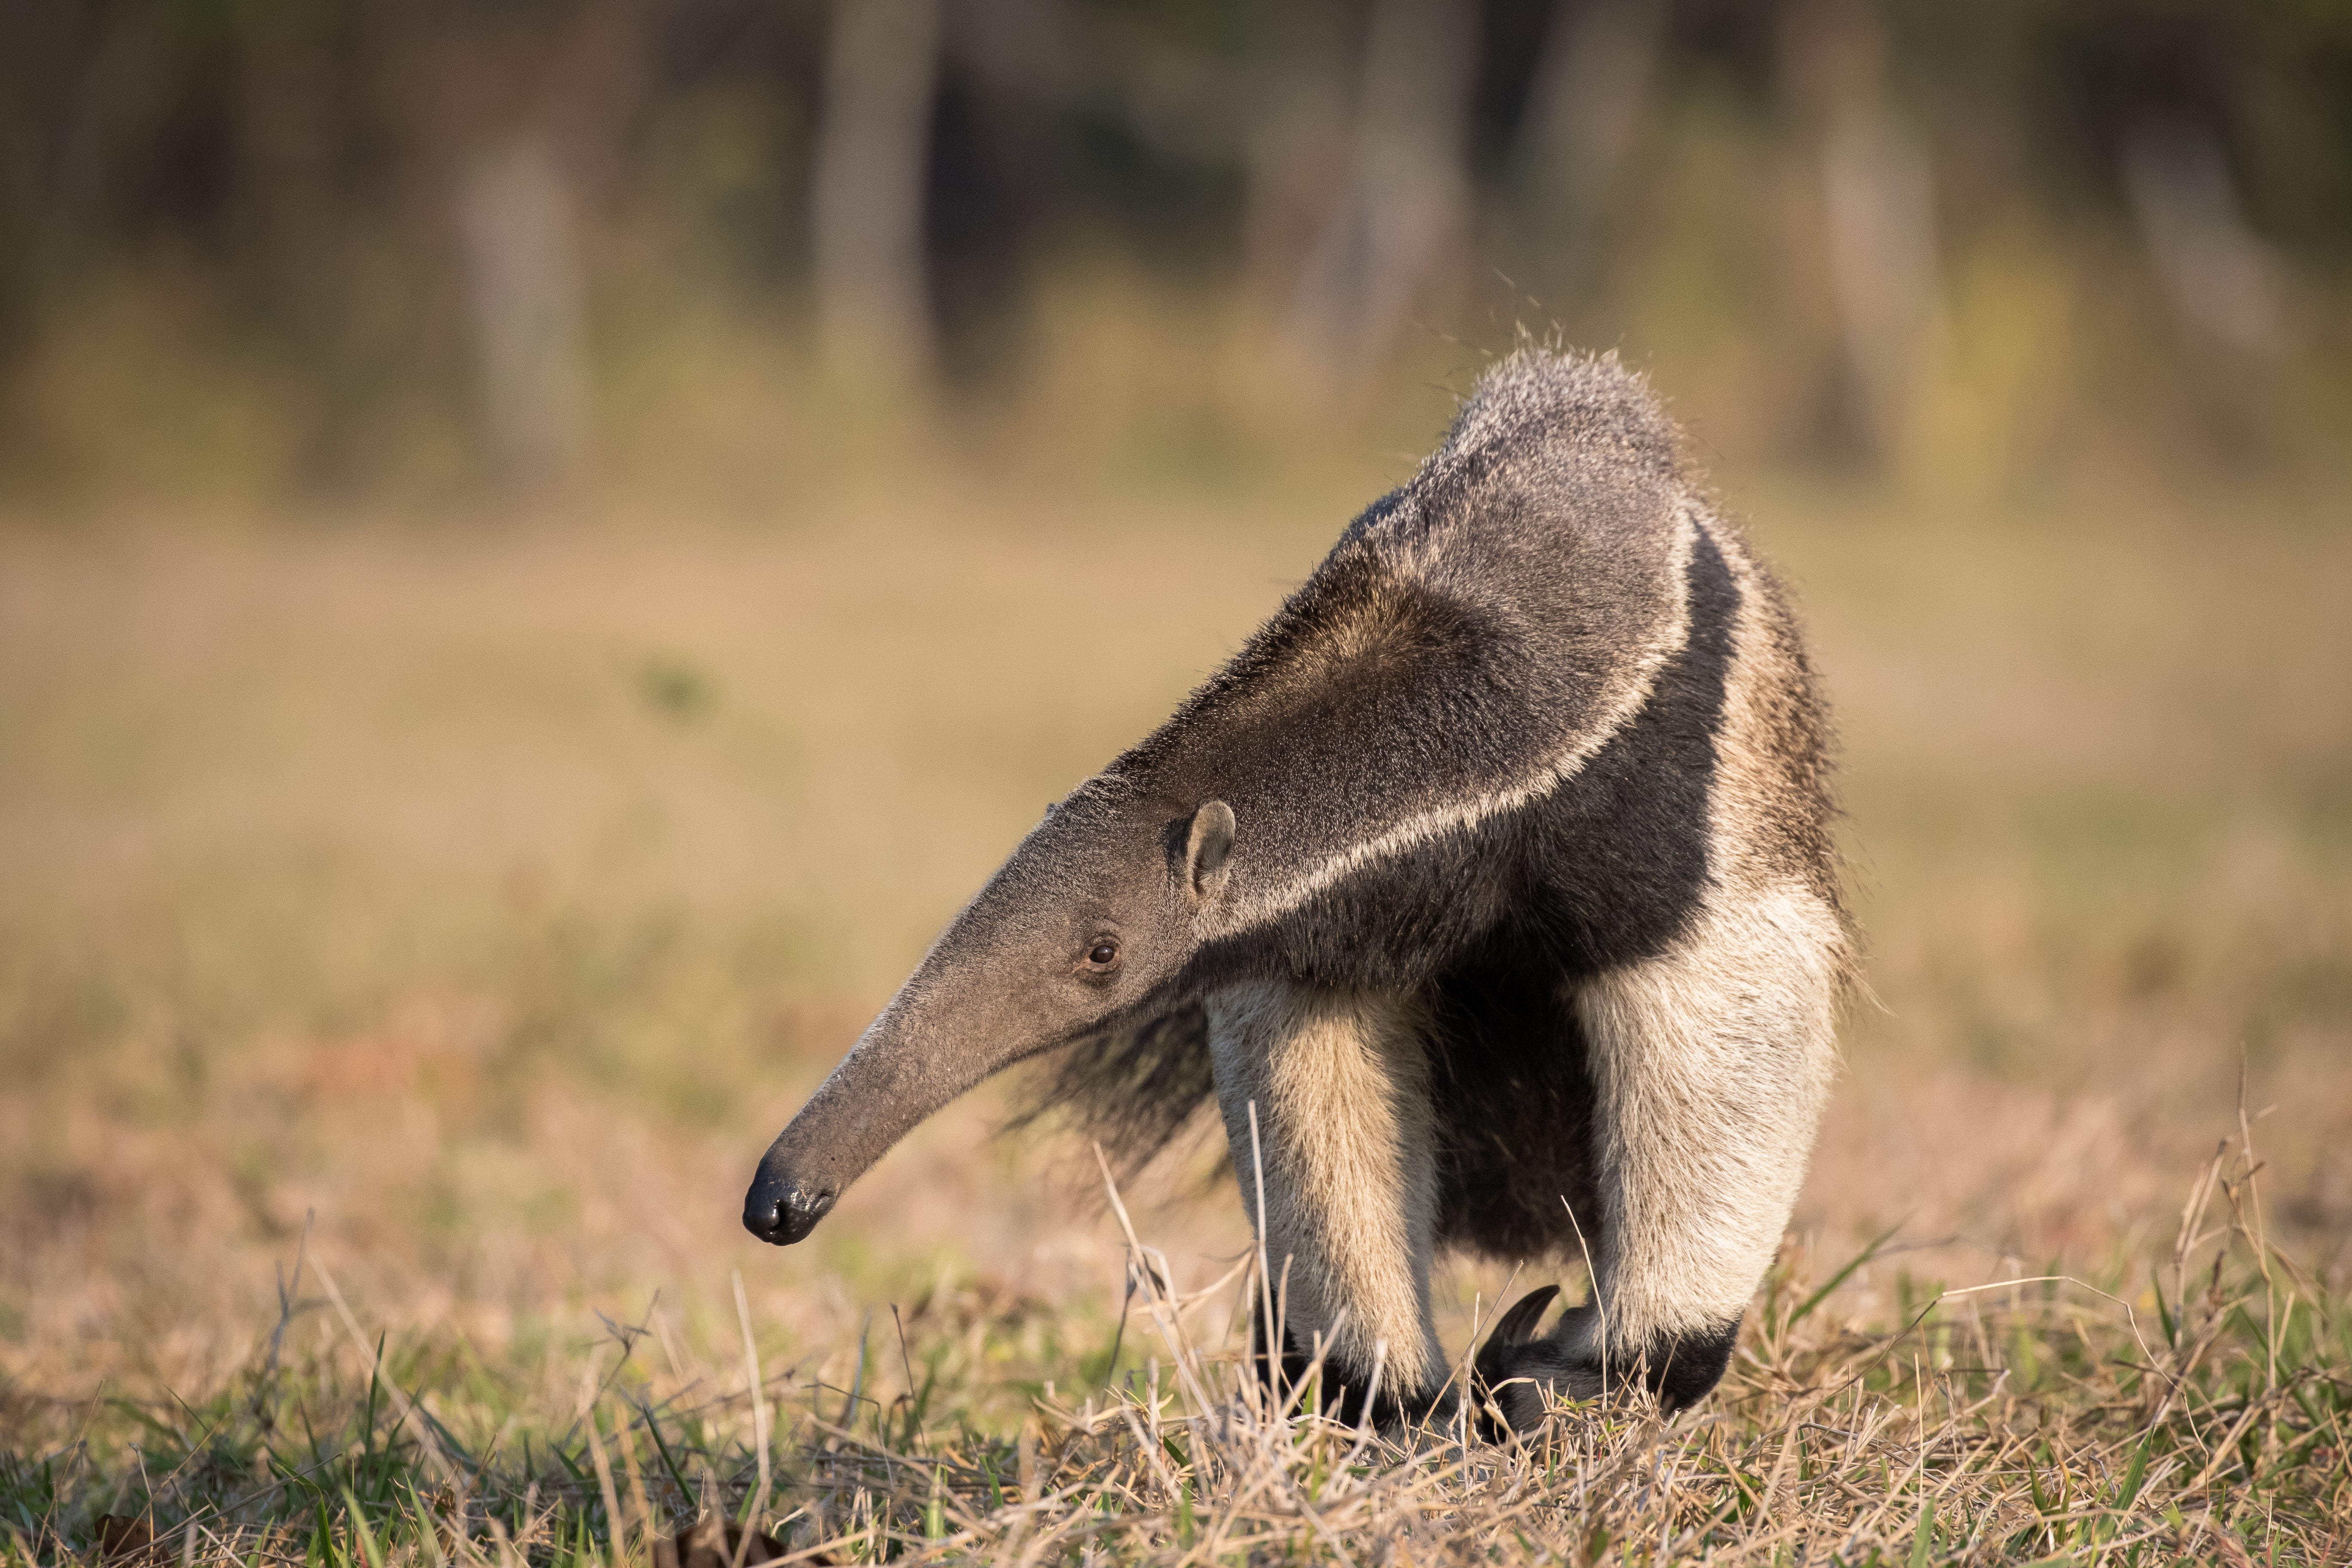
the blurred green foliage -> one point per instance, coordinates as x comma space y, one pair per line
270, 248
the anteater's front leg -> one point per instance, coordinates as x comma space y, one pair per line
1339, 1080
1710, 1063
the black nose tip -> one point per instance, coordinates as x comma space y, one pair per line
781, 1211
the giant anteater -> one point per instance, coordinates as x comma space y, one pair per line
1493, 880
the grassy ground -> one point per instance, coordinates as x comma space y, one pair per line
450, 912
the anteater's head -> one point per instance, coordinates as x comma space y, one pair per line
1089, 925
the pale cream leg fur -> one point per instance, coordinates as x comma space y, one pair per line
1340, 1083
1711, 1064
1713, 1060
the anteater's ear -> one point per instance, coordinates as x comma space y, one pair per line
1207, 850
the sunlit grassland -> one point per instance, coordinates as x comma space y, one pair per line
491, 891
2039, 1420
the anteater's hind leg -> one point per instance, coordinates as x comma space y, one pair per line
1340, 1083
1709, 1066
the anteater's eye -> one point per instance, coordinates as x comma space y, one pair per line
1103, 954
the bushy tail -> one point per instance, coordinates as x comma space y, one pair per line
1131, 1091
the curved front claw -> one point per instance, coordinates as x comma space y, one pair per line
1515, 1368
1517, 1326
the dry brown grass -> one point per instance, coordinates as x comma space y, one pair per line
2036, 1419
494, 891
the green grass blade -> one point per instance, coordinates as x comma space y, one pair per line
361, 1532
1806, 1308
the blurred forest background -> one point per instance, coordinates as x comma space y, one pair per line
282, 249
546, 544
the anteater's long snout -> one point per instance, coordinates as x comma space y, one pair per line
895, 1076
782, 1208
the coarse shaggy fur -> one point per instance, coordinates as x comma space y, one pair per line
1136, 1090
1491, 890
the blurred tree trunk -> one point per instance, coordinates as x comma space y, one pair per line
1296, 149
881, 81
2218, 273
1881, 200
1597, 73
1403, 202
522, 266
1878, 202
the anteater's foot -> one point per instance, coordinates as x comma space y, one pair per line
1340, 1389
1521, 1373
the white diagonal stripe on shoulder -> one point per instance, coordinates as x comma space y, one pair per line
1617, 706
